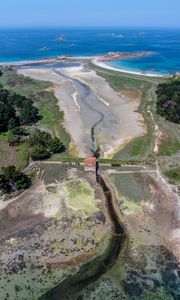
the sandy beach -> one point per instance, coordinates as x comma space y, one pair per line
104, 65
88, 101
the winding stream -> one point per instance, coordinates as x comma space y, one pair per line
87, 98
93, 270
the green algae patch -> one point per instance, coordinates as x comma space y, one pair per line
80, 196
132, 189
159, 295
32, 283
141, 276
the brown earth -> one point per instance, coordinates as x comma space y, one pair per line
131, 94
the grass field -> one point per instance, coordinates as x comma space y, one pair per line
17, 155
173, 175
119, 80
171, 144
53, 173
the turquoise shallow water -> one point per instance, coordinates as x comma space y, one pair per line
28, 44
155, 64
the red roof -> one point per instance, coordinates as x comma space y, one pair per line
90, 161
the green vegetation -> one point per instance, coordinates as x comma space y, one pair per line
19, 131
173, 174
42, 145
132, 189
122, 81
13, 155
136, 149
70, 160
118, 162
54, 172
16, 110
17, 136
12, 179
161, 294
168, 100
170, 142
169, 147
79, 160
81, 196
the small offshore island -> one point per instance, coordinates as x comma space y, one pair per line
71, 234
119, 55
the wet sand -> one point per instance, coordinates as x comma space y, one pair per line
88, 101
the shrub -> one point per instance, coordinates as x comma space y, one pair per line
168, 100
12, 179
16, 110
43, 145
39, 152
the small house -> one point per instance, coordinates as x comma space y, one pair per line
90, 164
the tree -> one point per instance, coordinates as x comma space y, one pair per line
168, 100
17, 135
19, 131
39, 152
29, 114
40, 137
13, 122
16, 110
14, 140
56, 146
4, 184
12, 179
8, 117
43, 145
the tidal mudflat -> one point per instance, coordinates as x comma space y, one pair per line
91, 107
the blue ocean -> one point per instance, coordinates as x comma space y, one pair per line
30, 44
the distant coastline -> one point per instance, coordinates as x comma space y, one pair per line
100, 61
